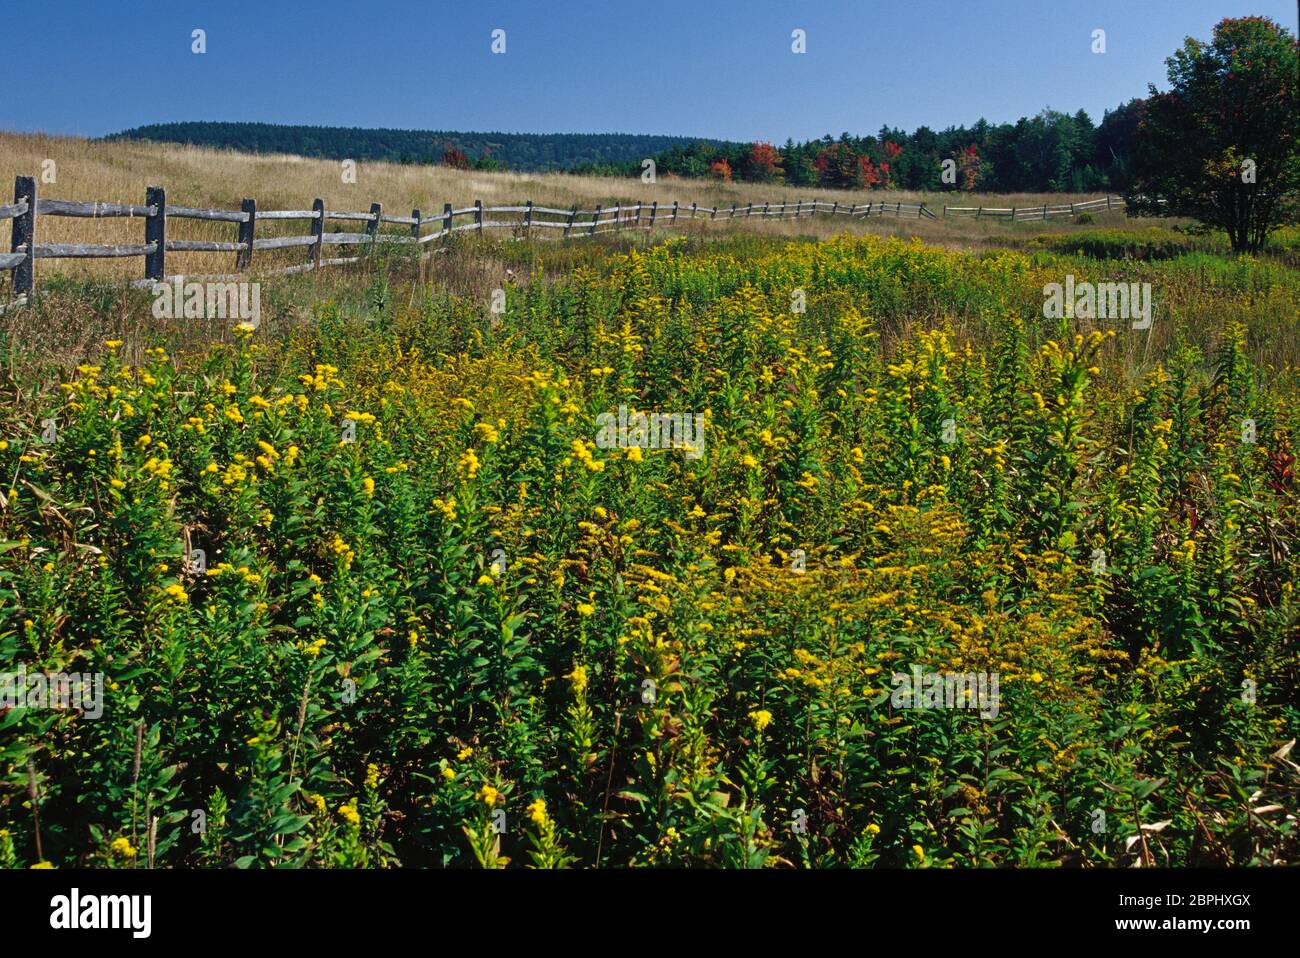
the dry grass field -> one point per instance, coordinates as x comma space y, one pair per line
119, 172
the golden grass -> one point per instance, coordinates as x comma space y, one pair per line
120, 171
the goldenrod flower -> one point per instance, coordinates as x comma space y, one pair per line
537, 812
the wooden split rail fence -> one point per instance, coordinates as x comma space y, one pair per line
27, 209
1037, 212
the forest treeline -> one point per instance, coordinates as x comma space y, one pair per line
1049, 152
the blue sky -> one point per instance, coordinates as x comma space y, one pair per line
703, 68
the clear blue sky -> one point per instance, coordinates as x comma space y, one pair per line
702, 68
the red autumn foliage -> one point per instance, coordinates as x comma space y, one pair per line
455, 158
764, 162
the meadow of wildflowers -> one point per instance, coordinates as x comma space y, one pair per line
368, 592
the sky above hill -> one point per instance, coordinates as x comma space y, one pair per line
690, 67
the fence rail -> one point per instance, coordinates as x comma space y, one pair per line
27, 209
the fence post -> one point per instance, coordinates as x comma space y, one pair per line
637, 224
528, 218
654, 213
694, 207
1044, 212
318, 233
979, 212
1108, 202
1013, 214
569, 225
618, 216
674, 219
245, 256
372, 228
835, 209
24, 236
415, 227
446, 223
714, 214
155, 231
478, 214
594, 220
918, 211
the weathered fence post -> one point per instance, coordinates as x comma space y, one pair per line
569, 225
245, 233
945, 211
415, 227
155, 231
654, 213
637, 224
478, 214
835, 209
714, 214
1044, 212
372, 227
674, 219
528, 218
694, 207
446, 223
618, 216
24, 236
1108, 202
315, 250
594, 220
979, 212
1013, 214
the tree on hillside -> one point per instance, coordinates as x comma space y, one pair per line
1223, 145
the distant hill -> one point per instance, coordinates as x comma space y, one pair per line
516, 151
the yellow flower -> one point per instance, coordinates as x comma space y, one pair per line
634, 454
122, 847
448, 774
488, 795
42, 865
464, 753
761, 718
873, 829
349, 813
537, 812
585, 608
578, 679
368, 487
